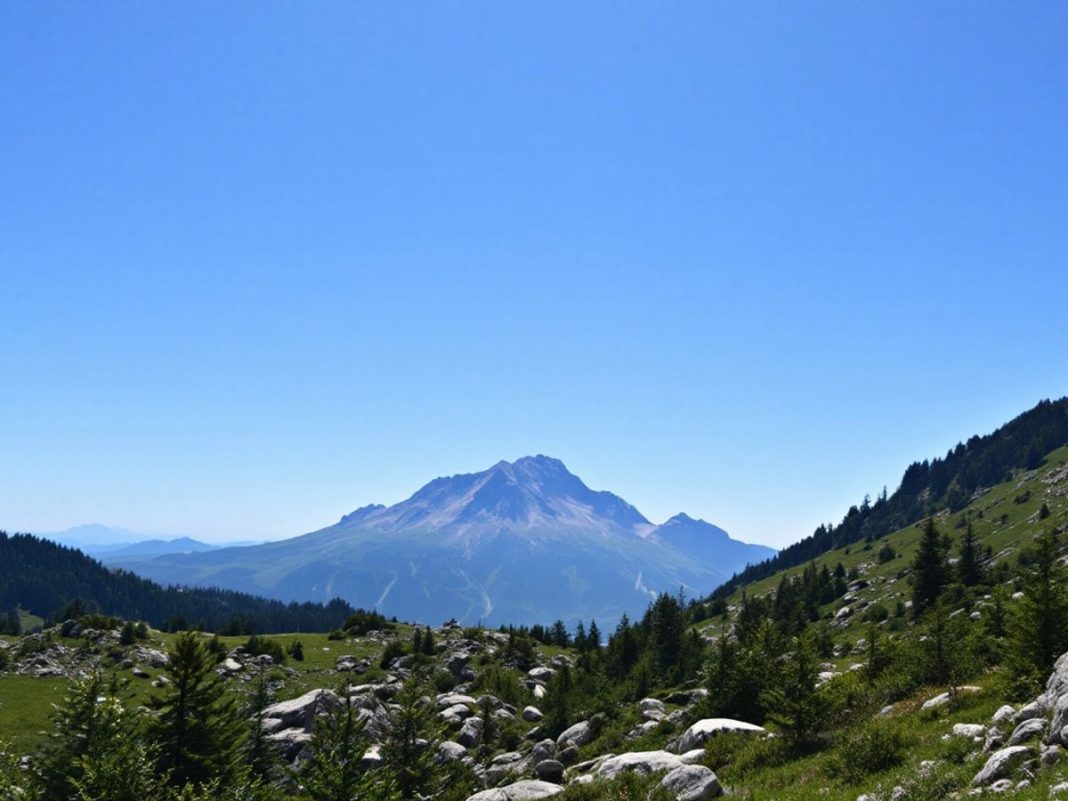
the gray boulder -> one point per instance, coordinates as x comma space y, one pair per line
692, 783
643, 762
1027, 730
549, 770
527, 790
532, 714
1000, 764
470, 735
579, 734
299, 713
702, 730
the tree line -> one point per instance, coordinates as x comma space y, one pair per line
929, 486
47, 578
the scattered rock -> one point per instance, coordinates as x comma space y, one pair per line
702, 730
1000, 764
527, 790
1027, 730
549, 770
692, 783
579, 734
532, 714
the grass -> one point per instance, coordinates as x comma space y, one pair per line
25, 704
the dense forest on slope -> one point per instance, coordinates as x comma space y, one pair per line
43, 577
928, 487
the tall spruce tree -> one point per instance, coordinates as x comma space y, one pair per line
1039, 633
968, 567
338, 744
197, 729
929, 570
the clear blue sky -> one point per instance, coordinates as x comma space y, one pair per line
264, 263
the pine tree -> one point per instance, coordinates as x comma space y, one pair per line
968, 568
411, 745
429, 646
666, 628
929, 570
197, 729
1040, 625
119, 765
338, 744
593, 639
794, 700
259, 754
76, 731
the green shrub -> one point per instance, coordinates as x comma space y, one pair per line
875, 613
393, 649
257, 646
868, 749
444, 681
336, 634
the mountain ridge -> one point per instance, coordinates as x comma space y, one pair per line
520, 542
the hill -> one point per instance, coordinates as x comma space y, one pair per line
43, 577
521, 542
940, 485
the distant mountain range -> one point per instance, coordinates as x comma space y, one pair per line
99, 540
521, 542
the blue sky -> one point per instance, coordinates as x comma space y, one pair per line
264, 263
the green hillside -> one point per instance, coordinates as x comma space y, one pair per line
1005, 520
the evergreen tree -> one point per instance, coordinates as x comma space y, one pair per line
338, 744
929, 570
411, 745
119, 765
794, 700
429, 646
1040, 625
593, 639
666, 627
197, 730
77, 729
968, 568
260, 756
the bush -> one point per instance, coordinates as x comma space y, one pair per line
444, 681
875, 613
393, 650
336, 634
296, 650
257, 646
870, 748
362, 621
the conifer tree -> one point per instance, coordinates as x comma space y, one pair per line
76, 731
1040, 625
968, 568
929, 570
338, 744
794, 699
411, 745
197, 730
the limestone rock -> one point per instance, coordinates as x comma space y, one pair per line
1000, 764
692, 783
702, 730
527, 790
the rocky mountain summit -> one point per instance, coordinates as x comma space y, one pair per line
521, 542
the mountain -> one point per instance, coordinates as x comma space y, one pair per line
42, 577
95, 536
149, 549
521, 542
